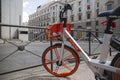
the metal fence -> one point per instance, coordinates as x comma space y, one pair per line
19, 46
18, 52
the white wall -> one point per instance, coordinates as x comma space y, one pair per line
11, 14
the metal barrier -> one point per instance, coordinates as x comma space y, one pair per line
21, 47
90, 36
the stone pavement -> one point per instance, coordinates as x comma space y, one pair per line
39, 73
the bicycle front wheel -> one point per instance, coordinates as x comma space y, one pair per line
116, 63
66, 67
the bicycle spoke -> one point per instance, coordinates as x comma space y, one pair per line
60, 67
68, 57
56, 69
67, 67
50, 61
57, 53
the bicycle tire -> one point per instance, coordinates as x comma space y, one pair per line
64, 68
115, 62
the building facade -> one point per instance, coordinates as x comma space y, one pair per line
83, 15
11, 13
44, 16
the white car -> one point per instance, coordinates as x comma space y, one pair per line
95, 40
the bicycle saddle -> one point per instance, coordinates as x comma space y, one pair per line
113, 12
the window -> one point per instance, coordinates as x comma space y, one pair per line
47, 23
44, 11
53, 19
72, 17
41, 24
60, 7
109, 6
53, 13
97, 4
23, 32
80, 9
44, 23
79, 2
88, 15
79, 17
44, 17
88, 7
56, 6
97, 12
72, 25
88, 23
39, 19
79, 27
97, 23
88, 1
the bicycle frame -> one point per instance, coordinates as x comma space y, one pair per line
97, 66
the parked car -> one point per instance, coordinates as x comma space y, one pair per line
95, 40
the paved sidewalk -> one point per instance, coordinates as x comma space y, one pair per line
39, 73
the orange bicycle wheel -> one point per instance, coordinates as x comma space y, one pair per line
116, 63
66, 67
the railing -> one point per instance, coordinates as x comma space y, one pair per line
21, 46
91, 36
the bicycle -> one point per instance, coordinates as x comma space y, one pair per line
63, 54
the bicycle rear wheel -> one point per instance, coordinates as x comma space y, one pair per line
66, 67
116, 62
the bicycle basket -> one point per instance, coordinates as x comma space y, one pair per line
115, 43
53, 31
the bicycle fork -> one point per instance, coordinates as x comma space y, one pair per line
61, 54
62, 49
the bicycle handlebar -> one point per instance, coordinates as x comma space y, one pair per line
63, 11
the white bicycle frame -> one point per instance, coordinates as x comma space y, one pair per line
97, 66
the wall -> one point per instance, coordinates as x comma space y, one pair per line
11, 14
